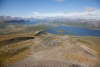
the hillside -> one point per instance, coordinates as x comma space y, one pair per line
50, 51
82, 23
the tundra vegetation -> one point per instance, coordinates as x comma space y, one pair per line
24, 49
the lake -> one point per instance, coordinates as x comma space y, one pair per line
74, 31
71, 30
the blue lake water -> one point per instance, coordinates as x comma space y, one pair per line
71, 30
75, 31
31, 23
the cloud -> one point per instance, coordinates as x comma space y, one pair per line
86, 14
36, 13
59, 0
89, 9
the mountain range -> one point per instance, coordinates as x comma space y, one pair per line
54, 20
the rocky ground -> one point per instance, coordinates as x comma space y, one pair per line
59, 51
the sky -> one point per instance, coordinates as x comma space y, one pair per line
51, 8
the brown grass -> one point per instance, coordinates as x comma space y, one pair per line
10, 36
91, 42
22, 49
15, 58
78, 57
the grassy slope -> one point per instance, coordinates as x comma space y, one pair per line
18, 51
91, 42
23, 49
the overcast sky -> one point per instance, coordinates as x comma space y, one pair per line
51, 8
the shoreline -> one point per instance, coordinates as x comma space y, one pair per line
79, 27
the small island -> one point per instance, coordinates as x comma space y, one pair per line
60, 31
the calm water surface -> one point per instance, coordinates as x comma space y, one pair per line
75, 31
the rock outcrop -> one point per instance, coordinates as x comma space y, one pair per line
40, 33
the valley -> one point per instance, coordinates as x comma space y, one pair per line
49, 33
58, 43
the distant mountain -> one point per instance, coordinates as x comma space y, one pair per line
61, 20
8, 19
17, 21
